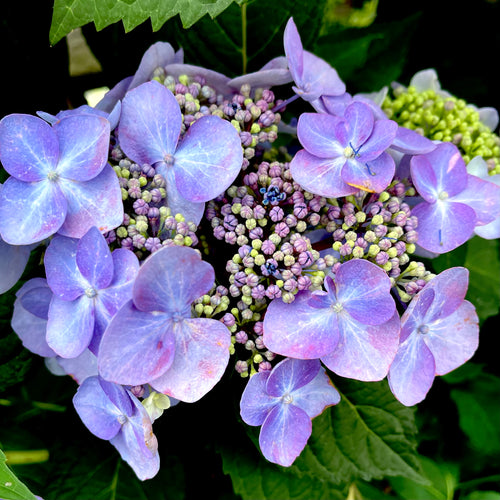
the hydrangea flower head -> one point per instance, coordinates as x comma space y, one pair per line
454, 202
89, 284
353, 326
113, 413
197, 168
60, 180
153, 338
439, 332
342, 155
283, 401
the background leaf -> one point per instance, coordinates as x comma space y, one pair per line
10, 486
71, 14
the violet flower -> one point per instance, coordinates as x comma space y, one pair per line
454, 202
439, 332
353, 326
89, 284
342, 155
153, 338
113, 413
60, 180
283, 401
313, 76
198, 167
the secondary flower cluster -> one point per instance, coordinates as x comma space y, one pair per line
179, 243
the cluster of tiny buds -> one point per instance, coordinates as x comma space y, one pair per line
447, 119
249, 111
148, 224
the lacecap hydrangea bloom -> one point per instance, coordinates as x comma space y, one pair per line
179, 246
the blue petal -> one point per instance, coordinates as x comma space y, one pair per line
208, 159
291, 374
255, 403
137, 346
13, 260
30, 212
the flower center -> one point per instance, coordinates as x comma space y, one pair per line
52, 175
91, 292
122, 419
423, 329
349, 152
443, 195
337, 307
169, 159
287, 399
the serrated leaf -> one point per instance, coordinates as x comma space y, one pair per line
368, 435
71, 14
10, 486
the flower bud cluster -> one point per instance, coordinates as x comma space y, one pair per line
249, 111
147, 224
446, 119
380, 229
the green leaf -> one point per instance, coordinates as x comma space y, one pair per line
368, 435
478, 404
10, 486
263, 23
483, 495
71, 14
368, 58
255, 478
443, 481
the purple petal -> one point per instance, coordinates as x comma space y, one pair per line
30, 212
290, 375
444, 226
275, 72
96, 410
63, 276
284, 434
414, 315
81, 367
320, 175
30, 327
364, 290
373, 176
70, 325
97, 202
192, 212
137, 444
412, 372
13, 260
201, 357
157, 55
36, 298
314, 131
208, 159
83, 146
450, 288
93, 259
410, 142
137, 346
318, 78
359, 121
483, 197
335, 105
298, 330
424, 178
449, 168
294, 51
364, 352
111, 98
381, 138
314, 397
29, 148
118, 396
255, 403
453, 340
150, 123
171, 279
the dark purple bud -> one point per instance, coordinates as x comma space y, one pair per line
305, 259
252, 280
258, 292
273, 292
140, 207
296, 269
244, 250
411, 236
381, 258
281, 229
380, 231
268, 247
268, 96
303, 282
266, 119
219, 232
241, 337
259, 212
300, 210
345, 250
333, 212
153, 244
276, 214
338, 235
256, 233
138, 241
